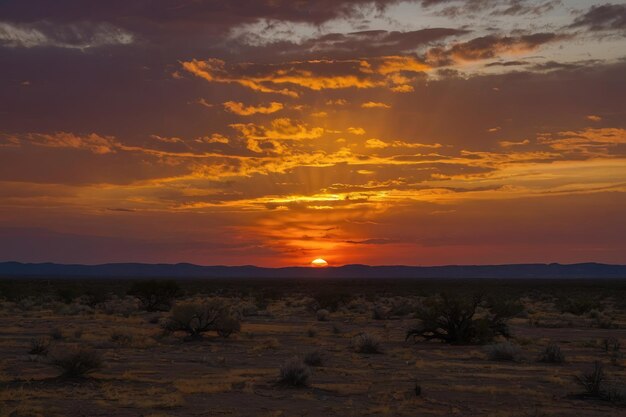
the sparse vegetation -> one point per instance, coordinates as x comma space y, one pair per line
593, 381
294, 373
77, 363
227, 323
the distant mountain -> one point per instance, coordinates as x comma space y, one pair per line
184, 270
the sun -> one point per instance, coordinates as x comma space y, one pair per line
319, 263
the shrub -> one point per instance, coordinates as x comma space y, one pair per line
552, 354
380, 313
311, 332
454, 320
366, 343
331, 300
314, 358
505, 351
155, 295
227, 323
198, 318
78, 363
593, 381
578, 305
611, 344
322, 315
39, 346
294, 373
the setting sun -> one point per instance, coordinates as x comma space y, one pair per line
319, 263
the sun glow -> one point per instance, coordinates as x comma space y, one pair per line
319, 263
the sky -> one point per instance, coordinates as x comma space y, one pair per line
274, 132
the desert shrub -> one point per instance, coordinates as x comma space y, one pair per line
311, 332
39, 346
94, 298
198, 318
155, 295
366, 343
322, 315
314, 358
76, 363
578, 305
294, 373
67, 294
611, 344
402, 307
122, 338
593, 381
552, 354
227, 323
380, 313
453, 319
336, 329
505, 351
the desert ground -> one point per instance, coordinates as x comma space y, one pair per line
341, 347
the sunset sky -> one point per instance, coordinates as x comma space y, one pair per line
274, 132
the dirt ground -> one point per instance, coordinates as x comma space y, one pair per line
148, 373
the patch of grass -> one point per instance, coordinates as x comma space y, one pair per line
40, 346
314, 358
322, 315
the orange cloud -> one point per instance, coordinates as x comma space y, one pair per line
375, 105
243, 110
356, 130
392, 72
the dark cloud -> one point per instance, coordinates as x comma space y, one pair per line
490, 46
605, 17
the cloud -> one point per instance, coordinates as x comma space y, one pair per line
214, 138
590, 142
380, 241
75, 36
243, 110
356, 130
375, 105
317, 75
603, 17
488, 47
93, 143
280, 129
593, 118
379, 144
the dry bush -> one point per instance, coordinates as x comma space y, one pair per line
593, 381
380, 313
505, 351
314, 358
56, 333
294, 373
552, 354
311, 332
77, 363
366, 343
40, 346
322, 315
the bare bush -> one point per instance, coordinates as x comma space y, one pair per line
294, 373
227, 323
194, 318
366, 343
